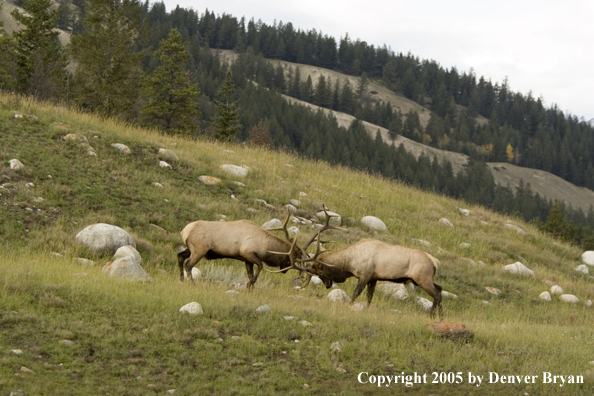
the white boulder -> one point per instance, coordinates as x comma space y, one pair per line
272, 224
374, 224
127, 267
338, 295
519, 269
588, 258
126, 251
569, 298
122, 148
464, 212
192, 308
556, 290
164, 165
396, 290
209, 180
583, 268
425, 304
15, 164
234, 170
545, 296
104, 238
167, 155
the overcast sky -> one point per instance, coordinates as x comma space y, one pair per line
543, 46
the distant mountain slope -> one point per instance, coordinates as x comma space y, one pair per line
544, 183
11, 25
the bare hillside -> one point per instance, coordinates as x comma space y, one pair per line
11, 25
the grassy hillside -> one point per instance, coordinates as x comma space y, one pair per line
129, 339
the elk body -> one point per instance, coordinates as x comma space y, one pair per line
240, 240
370, 261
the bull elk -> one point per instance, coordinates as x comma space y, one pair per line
240, 240
370, 261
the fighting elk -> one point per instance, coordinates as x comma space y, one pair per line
240, 240
370, 261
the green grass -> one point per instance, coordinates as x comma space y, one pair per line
130, 339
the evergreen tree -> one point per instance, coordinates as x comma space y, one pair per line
41, 61
226, 125
172, 98
107, 78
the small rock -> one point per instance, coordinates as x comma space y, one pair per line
232, 292
192, 308
341, 370
127, 267
316, 280
302, 195
486, 302
272, 224
569, 298
289, 317
295, 202
588, 303
556, 290
421, 242
209, 180
519, 269
196, 273
26, 370
167, 155
465, 245
464, 212
66, 343
171, 391
493, 290
450, 330
15, 164
164, 165
374, 224
305, 323
16, 352
338, 295
240, 184
262, 309
446, 294
445, 222
157, 184
583, 268
30, 185
234, 170
588, 258
425, 304
335, 218
545, 296
122, 148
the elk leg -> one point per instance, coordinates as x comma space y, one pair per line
181, 257
192, 261
360, 286
370, 290
433, 290
250, 270
252, 259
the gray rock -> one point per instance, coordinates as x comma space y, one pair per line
235, 171
15, 164
556, 290
583, 268
126, 251
128, 268
104, 238
588, 258
167, 155
445, 222
272, 224
262, 309
85, 262
374, 224
122, 148
192, 308
425, 304
338, 295
519, 269
165, 165
545, 296
569, 298
209, 180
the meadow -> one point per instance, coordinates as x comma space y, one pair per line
84, 333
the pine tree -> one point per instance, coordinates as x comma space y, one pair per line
108, 71
172, 98
226, 125
41, 60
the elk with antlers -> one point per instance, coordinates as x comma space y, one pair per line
240, 240
370, 261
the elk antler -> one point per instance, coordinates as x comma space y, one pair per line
326, 226
284, 227
291, 258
